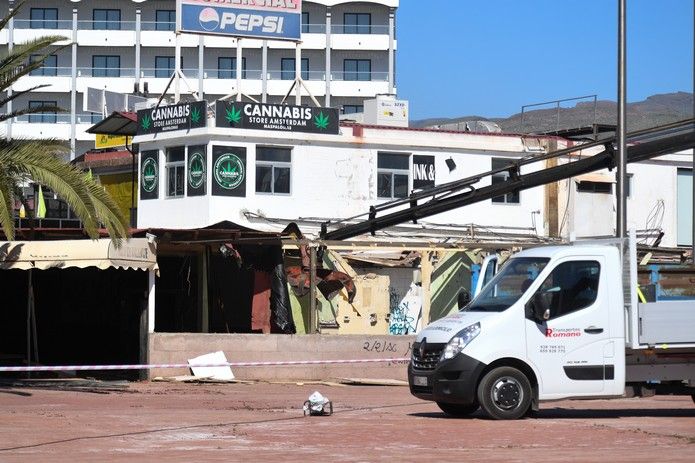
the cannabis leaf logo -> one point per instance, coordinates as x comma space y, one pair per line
145, 123
229, 169
321, 121
233, 115
149, 171
195, 115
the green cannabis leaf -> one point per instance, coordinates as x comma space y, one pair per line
233, 115
145, 123
195, 115
321, 121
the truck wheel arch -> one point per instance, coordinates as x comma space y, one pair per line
520, 365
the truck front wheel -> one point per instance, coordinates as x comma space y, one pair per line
505, 393
457, 410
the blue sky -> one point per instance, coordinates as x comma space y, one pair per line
490, 57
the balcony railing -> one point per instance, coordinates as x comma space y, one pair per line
66, 24
60, 118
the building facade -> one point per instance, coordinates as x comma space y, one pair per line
347, 55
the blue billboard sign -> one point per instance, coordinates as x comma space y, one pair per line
265, 19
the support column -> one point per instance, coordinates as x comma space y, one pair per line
264, 72
313, 309
298, 73
10, 46
138, 44
177, 69
392, 34
73, 89
150, 301
692, 222
621, 208
329, 18
426, 279
201, 66
239, 59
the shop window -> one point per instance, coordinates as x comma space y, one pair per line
273, 170
175, 171
226, 68
393, 175
501, 177
103, 19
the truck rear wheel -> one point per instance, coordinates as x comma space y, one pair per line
505, 393
457, 410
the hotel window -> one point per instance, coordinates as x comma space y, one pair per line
273, 170
106, 66
357, 69
48, 68
393, 175
226, 68
106, 19
357, 23
288, 69
500, 177
43, 18
166, 20
595, 187
353, 108
164, 66
176, 171
46, 117
305, 22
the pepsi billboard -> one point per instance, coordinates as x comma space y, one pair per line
265, 19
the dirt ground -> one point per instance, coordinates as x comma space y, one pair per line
264, 422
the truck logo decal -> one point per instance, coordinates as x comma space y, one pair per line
562, 332
421, 349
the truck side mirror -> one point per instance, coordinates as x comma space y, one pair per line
464, 297
541, 311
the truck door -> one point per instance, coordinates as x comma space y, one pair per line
572, 350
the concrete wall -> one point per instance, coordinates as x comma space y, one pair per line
179, 347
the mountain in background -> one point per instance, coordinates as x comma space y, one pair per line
655, 110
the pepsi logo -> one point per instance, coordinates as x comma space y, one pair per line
209, 19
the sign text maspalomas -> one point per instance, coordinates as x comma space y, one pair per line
183, 116
289, 118
269, 19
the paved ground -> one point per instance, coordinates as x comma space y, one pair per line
264, 422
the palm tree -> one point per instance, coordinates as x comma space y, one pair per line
24, 160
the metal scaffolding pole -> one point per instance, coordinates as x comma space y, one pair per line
621, 209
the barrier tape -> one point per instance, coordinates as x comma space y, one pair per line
187, 365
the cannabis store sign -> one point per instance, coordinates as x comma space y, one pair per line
149, 174
182, 116
277, 117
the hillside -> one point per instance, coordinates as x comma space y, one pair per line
655, 110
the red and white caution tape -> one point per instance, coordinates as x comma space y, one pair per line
186, 365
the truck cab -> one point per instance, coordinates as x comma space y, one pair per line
550, 325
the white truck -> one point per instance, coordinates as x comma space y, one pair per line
556, 322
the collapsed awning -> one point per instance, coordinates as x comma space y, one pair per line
136, 253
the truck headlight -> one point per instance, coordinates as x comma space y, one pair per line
461, 340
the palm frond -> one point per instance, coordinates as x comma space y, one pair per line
108, 212
6, 206
37, 160
16, 64
15, 94
12, 14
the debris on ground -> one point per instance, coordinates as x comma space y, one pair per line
318, 405
214, 358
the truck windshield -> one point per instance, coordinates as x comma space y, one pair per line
508, 285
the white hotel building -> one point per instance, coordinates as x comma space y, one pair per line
347, 55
